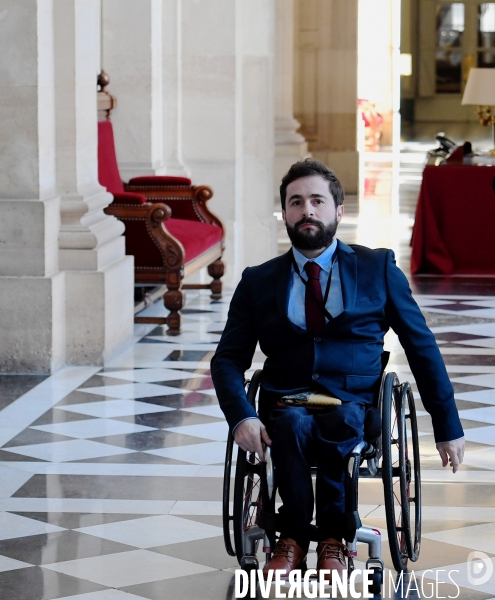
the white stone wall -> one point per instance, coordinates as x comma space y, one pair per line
204, 88
132, 55
32, 320
228, 120
58, 250
99, 324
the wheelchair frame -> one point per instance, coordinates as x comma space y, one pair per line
392, 457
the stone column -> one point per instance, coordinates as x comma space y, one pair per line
99, 277
228, 119
172, 89
290, 146
32, 318
326, 84
132, 56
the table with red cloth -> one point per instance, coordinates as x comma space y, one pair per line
454, 230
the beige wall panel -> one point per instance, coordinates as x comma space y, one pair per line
345, 165
337, 81
342, 20
335, 129
426, 49
449, 110
307, 14
306, 105
326, 81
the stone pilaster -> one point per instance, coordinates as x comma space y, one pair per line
99, 277
326, 84
228, 117
32, 318
290, 146
132, 55
172, 89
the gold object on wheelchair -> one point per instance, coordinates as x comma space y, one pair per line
310, 400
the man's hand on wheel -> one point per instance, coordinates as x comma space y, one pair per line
250, 436
453, 451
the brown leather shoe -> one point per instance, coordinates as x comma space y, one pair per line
288, 556
332, 556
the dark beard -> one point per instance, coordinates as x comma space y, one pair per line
313, 241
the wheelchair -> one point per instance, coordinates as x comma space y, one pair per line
391, 451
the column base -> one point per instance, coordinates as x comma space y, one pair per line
32, 321
99, 312
138, 169
92, 259
176, 169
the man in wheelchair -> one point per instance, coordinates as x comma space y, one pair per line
320, 313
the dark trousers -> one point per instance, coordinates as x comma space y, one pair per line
300, 438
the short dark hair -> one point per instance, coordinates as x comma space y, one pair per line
311, 166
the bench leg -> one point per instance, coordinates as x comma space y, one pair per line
174, 301
216, 270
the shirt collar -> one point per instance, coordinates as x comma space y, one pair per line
324, 260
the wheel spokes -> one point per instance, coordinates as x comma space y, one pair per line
252, 490
252, 508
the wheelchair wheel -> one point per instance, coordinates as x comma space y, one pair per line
247, 506
246, 486
226, 516
414, 472
401, 471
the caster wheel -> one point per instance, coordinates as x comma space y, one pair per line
377, 581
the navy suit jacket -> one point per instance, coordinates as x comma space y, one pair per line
345, 359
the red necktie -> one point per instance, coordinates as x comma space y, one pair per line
313, 303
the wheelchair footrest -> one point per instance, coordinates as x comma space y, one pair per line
249, 562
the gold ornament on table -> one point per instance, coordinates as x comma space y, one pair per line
485, 115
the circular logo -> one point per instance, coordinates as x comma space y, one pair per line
479, 568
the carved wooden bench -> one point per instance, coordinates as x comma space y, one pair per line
169, 230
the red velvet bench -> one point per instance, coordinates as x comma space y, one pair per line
168, 229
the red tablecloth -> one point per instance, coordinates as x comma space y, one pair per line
454, 231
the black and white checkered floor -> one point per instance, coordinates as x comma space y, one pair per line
111, 479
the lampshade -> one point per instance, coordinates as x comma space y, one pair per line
480, 87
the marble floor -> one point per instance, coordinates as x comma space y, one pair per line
111, 478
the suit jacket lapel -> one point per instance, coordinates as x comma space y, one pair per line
348, 275
282, 285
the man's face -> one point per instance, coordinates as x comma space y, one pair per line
310, 214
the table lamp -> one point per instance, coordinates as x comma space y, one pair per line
480, 91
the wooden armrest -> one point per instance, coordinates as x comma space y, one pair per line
156, 213
186, 202
147, 238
